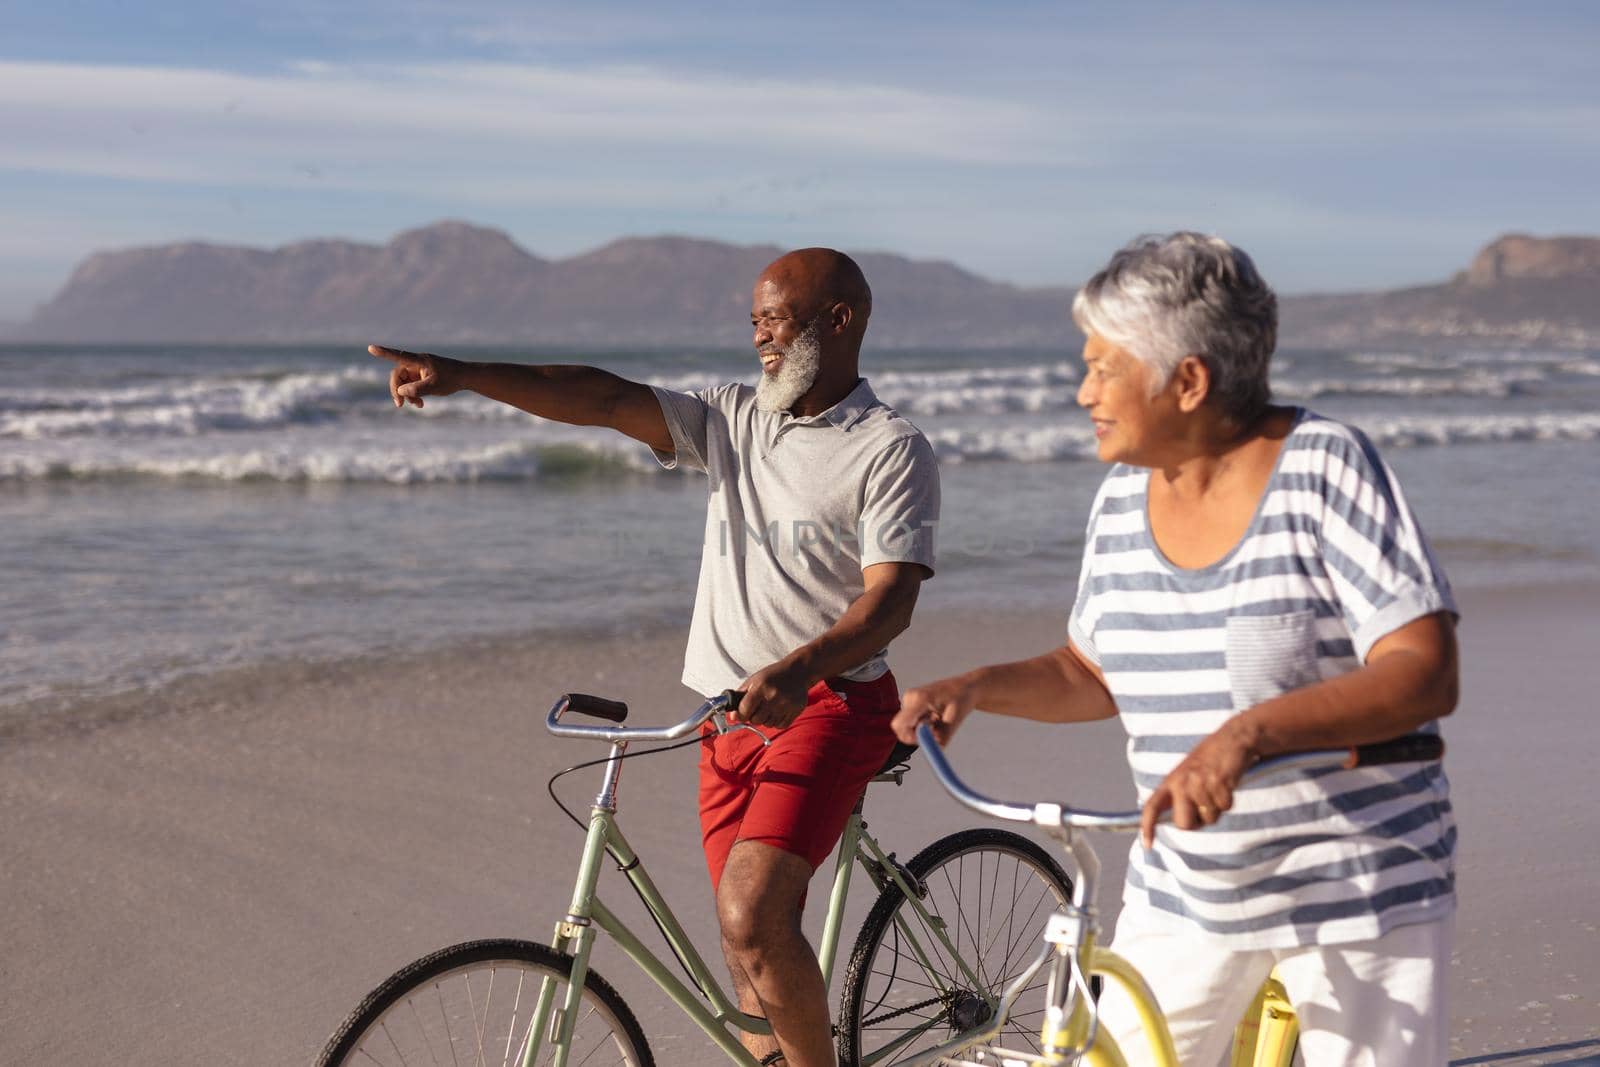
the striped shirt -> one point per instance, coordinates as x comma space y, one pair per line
1332, 561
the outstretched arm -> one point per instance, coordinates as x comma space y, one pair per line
1059, 686
776, 695
581, 396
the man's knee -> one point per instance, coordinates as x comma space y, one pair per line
760, 896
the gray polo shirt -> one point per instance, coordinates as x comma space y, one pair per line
798, 506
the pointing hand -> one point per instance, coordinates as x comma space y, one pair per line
418, 374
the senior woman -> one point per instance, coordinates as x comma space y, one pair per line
1253, 583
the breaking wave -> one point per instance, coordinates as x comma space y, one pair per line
220, 406
1071, 442
185, 408
521, 461
376, 462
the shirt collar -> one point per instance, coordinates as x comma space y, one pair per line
843, 415
854, 407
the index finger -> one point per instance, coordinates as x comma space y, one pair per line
1159, 801
397, 354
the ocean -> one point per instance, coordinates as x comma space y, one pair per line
169, 511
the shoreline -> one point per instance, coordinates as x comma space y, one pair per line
243, 863
70, 713
236, 686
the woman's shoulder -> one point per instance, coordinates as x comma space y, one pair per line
1320, 442
1122, 489
1338, 463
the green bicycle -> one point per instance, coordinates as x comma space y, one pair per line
950, 933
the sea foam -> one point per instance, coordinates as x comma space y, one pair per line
553, 457
230, 405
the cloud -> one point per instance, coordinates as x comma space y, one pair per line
1025, 146
177, 124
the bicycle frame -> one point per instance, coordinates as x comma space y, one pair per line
712, 1010
707, 1003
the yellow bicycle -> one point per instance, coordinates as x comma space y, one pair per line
1267, 1034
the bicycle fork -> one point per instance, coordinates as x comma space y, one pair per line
1072, 1019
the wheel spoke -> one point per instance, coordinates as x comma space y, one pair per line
394, 1046
479, 1026
450, 1038
511, 1031
416, 1017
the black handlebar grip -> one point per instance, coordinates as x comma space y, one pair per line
1412, 748
731, 699
599, 707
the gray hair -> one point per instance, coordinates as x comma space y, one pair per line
1187, 294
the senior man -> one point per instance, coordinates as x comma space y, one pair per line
819, 533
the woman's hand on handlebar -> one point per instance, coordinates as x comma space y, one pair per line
943, 705
1200, 788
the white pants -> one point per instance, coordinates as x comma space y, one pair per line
1378, 1003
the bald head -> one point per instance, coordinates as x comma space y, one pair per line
816, 277
809, 310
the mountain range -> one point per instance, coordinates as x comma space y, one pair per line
457, 283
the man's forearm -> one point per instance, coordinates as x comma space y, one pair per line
876, 618
582, 396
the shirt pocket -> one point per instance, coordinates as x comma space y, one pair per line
1269, 655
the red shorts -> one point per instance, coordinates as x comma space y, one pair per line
796, 793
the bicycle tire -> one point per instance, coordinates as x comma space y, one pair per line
885, 984
449, 983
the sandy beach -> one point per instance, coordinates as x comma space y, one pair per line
219, 872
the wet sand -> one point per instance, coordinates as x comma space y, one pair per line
218, 873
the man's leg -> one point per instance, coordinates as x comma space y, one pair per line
773, 814
774, 968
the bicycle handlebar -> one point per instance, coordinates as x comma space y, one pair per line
608, 709
1407, 749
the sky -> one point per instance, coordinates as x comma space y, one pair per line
1347, 146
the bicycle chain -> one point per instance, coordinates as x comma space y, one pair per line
903, 1011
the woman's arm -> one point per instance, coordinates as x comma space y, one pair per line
1411, 677
1059, 686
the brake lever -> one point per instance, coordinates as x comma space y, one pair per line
724, 727
719, 718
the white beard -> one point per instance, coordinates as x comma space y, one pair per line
802, 360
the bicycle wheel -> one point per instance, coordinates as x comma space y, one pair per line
992, 892
473, 1003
